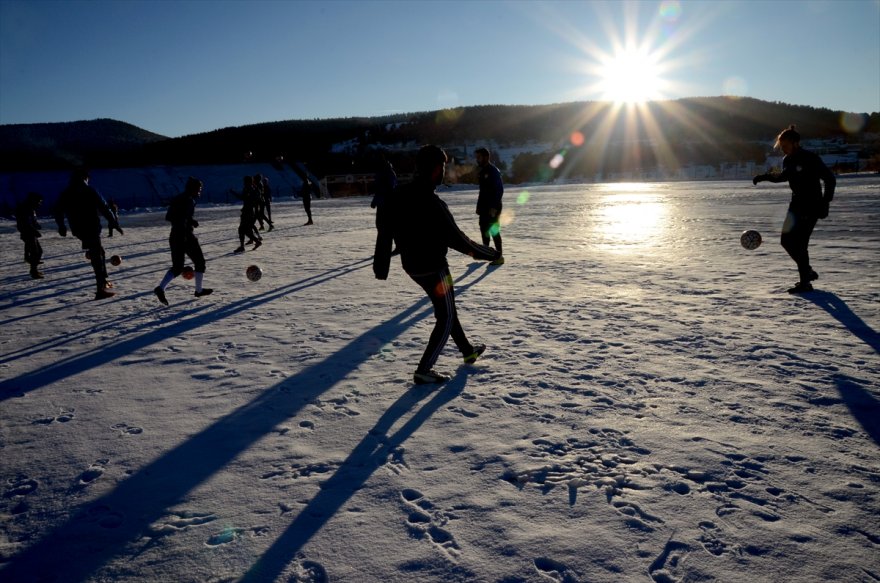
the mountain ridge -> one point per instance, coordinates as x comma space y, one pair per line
699, 130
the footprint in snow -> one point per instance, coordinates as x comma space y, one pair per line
554, 570
668, 564
63, 417
226, 536
94, 471
127, 429
425, 520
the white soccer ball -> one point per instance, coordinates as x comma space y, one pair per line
750, 239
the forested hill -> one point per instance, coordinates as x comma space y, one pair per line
43, 146
698, 130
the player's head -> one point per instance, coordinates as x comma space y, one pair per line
482, 156
788, 140
34, 199
431, 163
80, 174
193, 187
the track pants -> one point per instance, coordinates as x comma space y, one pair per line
439, 288
490, 227
795, 240
97, 259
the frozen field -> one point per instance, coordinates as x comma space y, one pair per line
652, 405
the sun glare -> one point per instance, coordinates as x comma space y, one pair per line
630, 77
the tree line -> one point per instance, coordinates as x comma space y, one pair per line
612, 138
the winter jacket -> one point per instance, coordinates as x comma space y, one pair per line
180, 215
83, 207
491, 190
26, 221
804, 170
419, 222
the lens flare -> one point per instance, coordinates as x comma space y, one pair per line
557, 160
853, 122
523, 197
670, 10
735, 87
577, 139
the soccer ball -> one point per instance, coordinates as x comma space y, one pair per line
254, 273
116, 260
188, 272
750, 239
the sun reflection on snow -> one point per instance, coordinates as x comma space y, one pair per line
629, 216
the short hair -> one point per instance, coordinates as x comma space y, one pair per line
429, 157
193, 184
481, 151
788, 135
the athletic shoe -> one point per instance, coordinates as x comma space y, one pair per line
430, 377
308, 223
36, 274
257, 245
205, 292
271, 226
239, 250
813, 275
499, 261
160, 293
478, 350
104, 294
801, 287
108, 285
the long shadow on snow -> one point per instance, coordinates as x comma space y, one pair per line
76, 549
170, 326
864, 406
843, 314
369, 455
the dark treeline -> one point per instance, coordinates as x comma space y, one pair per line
707, 130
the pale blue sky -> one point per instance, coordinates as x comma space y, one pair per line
182, 67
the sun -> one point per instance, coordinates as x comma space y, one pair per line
630, 76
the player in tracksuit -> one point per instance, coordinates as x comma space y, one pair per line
29, 230
489, 202
805, 172
247, 226
83, 207
183, 240
420, 223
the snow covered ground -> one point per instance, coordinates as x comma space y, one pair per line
652, 406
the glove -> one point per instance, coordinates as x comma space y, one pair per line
62, 231
823, 209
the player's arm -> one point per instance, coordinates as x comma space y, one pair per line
457, 240
384, 237
770, 177
829, 179
59, 216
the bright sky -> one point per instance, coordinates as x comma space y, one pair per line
183, 67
